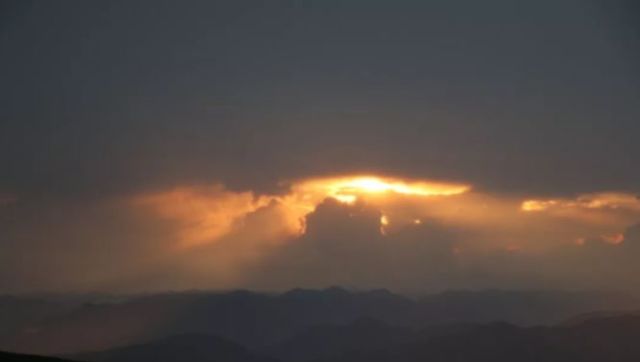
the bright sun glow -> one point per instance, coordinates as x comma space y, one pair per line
349, 189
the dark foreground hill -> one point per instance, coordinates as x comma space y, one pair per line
596, 340
181, 348
12, 357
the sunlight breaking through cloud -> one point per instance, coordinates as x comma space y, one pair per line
205, 214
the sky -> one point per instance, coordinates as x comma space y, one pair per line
411, 145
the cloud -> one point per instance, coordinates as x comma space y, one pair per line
596, 201
343, 245
364, 231
202, 214
205, 214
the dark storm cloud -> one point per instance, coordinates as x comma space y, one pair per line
343, 245
122, 96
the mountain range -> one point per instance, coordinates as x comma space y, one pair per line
334, 324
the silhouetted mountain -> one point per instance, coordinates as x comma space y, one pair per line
259, 320
613, 338
593, 340
328, 341
494, 342
252, 319
517, 307
18, 313
602, 339
186, 347
13, 357
595, 315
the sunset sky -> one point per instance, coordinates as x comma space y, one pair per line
417, 146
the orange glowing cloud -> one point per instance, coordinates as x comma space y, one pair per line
604, 200
612, 211
209, 215
365, 220
206, 214
306, 194
613, 239
601, 216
